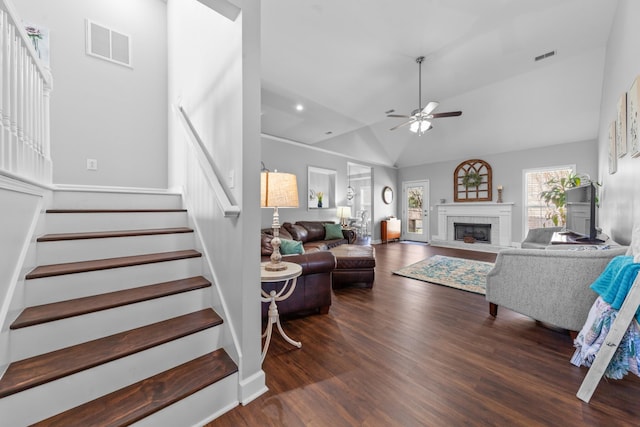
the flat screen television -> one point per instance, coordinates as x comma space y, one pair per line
581, 212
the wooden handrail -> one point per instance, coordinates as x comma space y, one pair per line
224, 197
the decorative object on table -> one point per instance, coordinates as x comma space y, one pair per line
621, 126
344, 213
467, 275
289, 275
277, 190
419, 120
387, 195
319, 195
499, 193
613, 158
633, 105
472, 181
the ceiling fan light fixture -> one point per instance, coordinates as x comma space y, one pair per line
420, 126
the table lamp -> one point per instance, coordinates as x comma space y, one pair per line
344, 212
277, 190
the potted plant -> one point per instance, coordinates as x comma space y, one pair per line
555, 196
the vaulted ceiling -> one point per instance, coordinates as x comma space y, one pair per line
348, 62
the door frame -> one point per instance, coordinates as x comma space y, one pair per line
425, 211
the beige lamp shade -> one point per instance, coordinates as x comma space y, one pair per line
344, 212
279, 190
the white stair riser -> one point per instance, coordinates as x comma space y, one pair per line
87, 222
69, 286
114, 200
41, 402
112, 247
199, 408
50, 336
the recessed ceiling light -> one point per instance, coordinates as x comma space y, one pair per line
328, 132
389, 111
299, 107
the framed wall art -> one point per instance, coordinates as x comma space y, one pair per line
472, 181
621, 126
633, 97
613, 158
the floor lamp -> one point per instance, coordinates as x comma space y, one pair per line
277, 190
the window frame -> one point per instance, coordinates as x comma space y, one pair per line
525, 205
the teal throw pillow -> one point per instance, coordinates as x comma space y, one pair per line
333, 231
289, 247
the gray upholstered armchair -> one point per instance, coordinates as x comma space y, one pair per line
539, 238
551, 286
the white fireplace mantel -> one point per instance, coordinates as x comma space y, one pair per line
497, 213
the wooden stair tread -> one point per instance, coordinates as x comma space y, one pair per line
105, 234
64, 309
43, 368
132, 403
64, 211
104, 264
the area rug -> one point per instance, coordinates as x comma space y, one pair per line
465, 274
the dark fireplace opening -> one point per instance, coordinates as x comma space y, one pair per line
470, 233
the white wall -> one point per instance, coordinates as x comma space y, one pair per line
214, 75
295, 158
507, 171
620, 201
103, 111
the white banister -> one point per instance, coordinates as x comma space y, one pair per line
222, 192
24, 103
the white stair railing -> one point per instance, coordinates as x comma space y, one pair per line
24, 103
221, 190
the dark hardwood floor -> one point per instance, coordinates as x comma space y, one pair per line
409, 353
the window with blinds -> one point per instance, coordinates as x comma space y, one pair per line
536, 213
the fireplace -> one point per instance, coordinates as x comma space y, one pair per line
468, 232
496, 214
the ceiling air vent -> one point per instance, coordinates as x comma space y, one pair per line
545, 56
107, 44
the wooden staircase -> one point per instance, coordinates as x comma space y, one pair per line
119, 324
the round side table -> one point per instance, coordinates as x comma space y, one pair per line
290, 278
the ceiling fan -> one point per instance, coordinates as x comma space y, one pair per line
420, 118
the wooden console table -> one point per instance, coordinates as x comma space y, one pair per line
390, 229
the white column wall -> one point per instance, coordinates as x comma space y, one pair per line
214, 74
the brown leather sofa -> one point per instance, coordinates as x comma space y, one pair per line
313, 289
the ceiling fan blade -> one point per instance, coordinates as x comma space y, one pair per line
430, 107
398, 115
408, 122
449, 114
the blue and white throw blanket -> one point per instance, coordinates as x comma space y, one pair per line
613, 285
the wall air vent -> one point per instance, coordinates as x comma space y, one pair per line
107, 44
545, 56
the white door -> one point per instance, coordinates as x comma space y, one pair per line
415, 210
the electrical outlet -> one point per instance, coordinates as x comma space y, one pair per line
92, 164
231, 179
